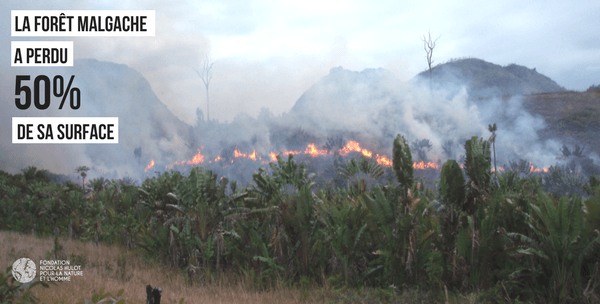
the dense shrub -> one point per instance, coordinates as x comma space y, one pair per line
498, 233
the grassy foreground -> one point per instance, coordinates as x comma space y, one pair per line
113, 268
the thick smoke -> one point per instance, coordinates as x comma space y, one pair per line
373, 103
370, 107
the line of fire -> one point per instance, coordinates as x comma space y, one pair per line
313, 151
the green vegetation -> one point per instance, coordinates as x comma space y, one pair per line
12, 291
493, 237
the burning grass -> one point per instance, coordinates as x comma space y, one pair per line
312, 151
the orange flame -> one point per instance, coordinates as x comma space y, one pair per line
237, 153
197, 159
150, 166
423, 165
313, 151
537, 170
351, 146
384, 161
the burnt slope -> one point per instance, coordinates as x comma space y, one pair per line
573, 117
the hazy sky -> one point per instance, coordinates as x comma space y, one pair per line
267, 53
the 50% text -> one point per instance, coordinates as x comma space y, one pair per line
57, 86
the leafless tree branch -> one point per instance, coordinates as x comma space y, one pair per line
429, 45
206, 76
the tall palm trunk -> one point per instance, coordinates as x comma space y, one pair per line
494, 147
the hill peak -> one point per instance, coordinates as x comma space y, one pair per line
484, 79
339, 74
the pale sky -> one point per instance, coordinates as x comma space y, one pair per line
267, 53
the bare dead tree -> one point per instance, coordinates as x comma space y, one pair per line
206, 75
429, 45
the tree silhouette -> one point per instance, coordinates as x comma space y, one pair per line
82, 170
429, 45
206, 75
422, 147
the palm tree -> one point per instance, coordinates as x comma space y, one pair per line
492, 139
559, 243
403, 165
81, 170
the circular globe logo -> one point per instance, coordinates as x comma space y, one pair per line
23, 270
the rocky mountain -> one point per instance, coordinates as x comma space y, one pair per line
351, 93
371, 106
535, 114
107, 90
345, 100
485, 79
116, 90
345, 91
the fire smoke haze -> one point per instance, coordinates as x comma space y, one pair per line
267, 54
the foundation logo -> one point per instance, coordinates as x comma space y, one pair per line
23, 270
58, 270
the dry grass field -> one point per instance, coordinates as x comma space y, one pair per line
113, 268
571, 116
